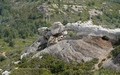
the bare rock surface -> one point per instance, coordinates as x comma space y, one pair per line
88, 29
76, 50
91, 41
113, 64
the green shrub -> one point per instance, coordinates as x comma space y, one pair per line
116, 51
11, 43
104, 71
72, 33
65, 22
2, 58
31, 71
24, 59
100, 64
13, 53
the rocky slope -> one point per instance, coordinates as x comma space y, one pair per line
78, 49
90, 42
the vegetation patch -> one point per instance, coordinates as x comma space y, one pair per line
116, 51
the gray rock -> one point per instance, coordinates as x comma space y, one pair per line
117, 59
92, 41
113, 64
42, 31
35, 45
56, 28
73, 50
87, 28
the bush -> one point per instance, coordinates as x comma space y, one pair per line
65, 22
59, 67
11, 43
100, 64
104, 71
72, 33
31, 71
24, 59
116, 51
2, 58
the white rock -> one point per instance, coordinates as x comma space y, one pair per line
6, 73
57, 27
16, 68
17, 62
40, 57
1, 70
87, 28
60, 37
25, 54
64, 33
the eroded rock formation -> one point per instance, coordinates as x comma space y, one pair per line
78, 49
88, 29
48, 36
94, 42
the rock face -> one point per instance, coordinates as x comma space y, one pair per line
77, 50
117, 59
88, 29
47, 37
113, 64
91, 41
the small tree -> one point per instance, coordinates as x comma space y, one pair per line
65, 22
11, 43
59, 3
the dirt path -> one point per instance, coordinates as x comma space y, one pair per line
101, 58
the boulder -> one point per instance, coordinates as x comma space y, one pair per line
57, 28
42, 31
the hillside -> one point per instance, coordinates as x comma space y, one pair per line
21, 18
82, 51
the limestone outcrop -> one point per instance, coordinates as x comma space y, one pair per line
91, 41
88, 29
78, 50
48, 36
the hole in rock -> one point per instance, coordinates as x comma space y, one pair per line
105, 38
